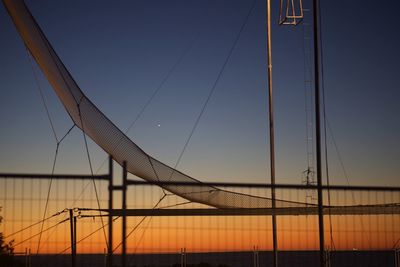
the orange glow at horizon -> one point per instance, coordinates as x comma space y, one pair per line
212, 234
23, 205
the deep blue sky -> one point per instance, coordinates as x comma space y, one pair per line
119, 52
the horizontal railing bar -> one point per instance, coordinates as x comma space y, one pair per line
336, 210
53, 176
259, 185
196, 184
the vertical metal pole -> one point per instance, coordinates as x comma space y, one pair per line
185, 258
318, 131
124, 187
26, 257
110, 217
71, 223
257, 257
75, 240
254, 256
271, 135
181, 257
256, 262
105, 257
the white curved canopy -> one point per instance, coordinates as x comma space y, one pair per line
103, 132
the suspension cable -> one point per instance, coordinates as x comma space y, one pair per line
51, 182
395, 244
41, 231
47, 197
213, 87
140, 239
148, 222
49, 48
145, 106
339, 155
91, 171
325, 133
326, 125
153, 95
89, 235
39, 87
34, 224
161, 85
58, 142
176, 205
139, 223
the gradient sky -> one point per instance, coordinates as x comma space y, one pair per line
119, 52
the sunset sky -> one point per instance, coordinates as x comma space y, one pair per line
120, 52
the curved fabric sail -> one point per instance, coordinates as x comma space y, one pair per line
102, 131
